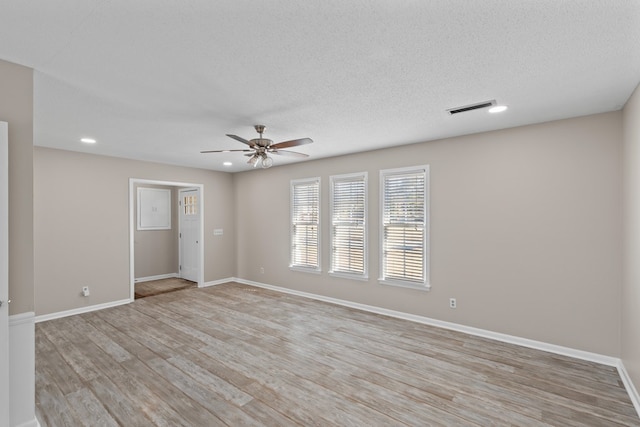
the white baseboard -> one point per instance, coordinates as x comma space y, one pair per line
158, 277
19, 319
628, 384
72, 312
219, 282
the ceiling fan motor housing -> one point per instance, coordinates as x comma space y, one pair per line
261, 142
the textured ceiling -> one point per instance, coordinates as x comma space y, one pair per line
162, 80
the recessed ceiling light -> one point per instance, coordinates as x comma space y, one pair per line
498, 109
88, 140
227, 163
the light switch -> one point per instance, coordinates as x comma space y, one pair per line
218, 232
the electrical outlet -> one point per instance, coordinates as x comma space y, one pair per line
85, 291
452, 303
261, 270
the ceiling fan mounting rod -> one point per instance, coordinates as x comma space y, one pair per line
259, 129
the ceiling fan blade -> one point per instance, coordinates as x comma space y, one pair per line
224, 151
241, 139
288, 153
292, 143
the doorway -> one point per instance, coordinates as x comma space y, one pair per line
193, 254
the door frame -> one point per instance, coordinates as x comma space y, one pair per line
132, 224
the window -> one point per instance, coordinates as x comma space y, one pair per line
190, 205
305, 224
348, 225
405, 226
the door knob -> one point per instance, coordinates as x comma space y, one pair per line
2, 302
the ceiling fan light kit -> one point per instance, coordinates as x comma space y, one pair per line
267, 162
262, 159
259, 148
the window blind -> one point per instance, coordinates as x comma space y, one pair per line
404, 226
348, 222
305, 218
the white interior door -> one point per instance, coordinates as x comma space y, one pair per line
190, 212
4, 275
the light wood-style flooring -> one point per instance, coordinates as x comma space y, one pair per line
242, 356
162, 286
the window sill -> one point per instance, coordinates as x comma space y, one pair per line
418, 287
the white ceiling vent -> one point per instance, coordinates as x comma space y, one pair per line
471, 107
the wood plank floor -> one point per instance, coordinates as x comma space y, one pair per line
162, 286
241, 356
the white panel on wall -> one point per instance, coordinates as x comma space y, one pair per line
154, 209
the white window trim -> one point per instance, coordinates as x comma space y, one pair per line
354, 276
318, 269
426, 285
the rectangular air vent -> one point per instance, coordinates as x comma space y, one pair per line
471, 107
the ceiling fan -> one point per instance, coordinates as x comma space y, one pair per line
259, 148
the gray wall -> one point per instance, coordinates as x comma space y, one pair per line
16, 108
631, 260
82, 225
525, 231
156, 251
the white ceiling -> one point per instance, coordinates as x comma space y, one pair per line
162, 80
